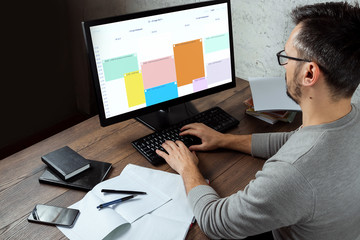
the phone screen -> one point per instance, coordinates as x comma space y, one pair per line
53, 215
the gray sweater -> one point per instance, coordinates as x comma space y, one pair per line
309, 188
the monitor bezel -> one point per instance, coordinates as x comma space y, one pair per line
163, 105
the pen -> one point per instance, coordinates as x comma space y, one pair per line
115, 201
192, 223
122, 191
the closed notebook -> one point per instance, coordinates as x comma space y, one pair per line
83, 181
65, 162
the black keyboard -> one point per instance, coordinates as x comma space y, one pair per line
216, 118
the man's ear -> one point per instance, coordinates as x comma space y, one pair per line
312, 73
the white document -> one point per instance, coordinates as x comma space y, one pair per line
93, 223
150, 216
270, 94
170, 221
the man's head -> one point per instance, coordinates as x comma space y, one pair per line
327, 34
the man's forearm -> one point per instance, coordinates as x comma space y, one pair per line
191, 174
240, 143
192, 178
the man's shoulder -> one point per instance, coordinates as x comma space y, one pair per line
322, 137
298, 145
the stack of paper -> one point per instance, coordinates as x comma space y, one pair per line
269, 100
163, 213
269, 116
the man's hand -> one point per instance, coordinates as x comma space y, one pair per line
184, 162
210, 138
179, 157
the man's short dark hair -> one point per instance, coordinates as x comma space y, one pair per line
330, 36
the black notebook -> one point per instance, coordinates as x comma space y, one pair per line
83, 181
65, 162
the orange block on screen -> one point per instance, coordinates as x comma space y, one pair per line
189, 61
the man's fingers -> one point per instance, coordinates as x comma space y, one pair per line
190, 126
180, 144
195, 148
161, 153
168, 145
188, 132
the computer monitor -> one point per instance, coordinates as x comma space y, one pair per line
149, 65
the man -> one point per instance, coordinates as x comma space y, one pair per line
309, 188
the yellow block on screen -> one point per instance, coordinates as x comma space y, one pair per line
134, 88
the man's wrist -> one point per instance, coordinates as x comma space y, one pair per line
192, 177
223, 141
187, 169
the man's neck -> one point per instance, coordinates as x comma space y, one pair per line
321, 112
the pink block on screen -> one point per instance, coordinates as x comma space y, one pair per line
158, 72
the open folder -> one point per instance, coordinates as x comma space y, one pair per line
163, 213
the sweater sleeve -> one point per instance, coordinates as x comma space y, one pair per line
279, 196
265, 145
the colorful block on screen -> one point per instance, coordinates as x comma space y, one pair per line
115, 68
189, 61
217, 43
158, 72
218, 71
134, 88
161, 93
200, 84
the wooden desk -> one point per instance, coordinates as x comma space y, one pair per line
20, 189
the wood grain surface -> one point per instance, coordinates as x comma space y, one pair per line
20, 190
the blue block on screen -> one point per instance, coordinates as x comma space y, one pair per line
161, 93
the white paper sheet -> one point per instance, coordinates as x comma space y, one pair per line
270, 94
92, 223
152, 227
178, 208
138, 206
170, 220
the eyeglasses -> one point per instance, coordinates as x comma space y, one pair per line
283, 59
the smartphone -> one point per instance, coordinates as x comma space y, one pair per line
53, 215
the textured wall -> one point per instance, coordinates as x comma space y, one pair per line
260, 28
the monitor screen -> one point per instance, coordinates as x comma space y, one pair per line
148, 61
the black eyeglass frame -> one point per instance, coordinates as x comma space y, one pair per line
292, 58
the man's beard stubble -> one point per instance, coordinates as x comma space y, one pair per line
297, 95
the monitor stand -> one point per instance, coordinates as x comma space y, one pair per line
165, 118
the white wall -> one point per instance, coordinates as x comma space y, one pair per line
260, 29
